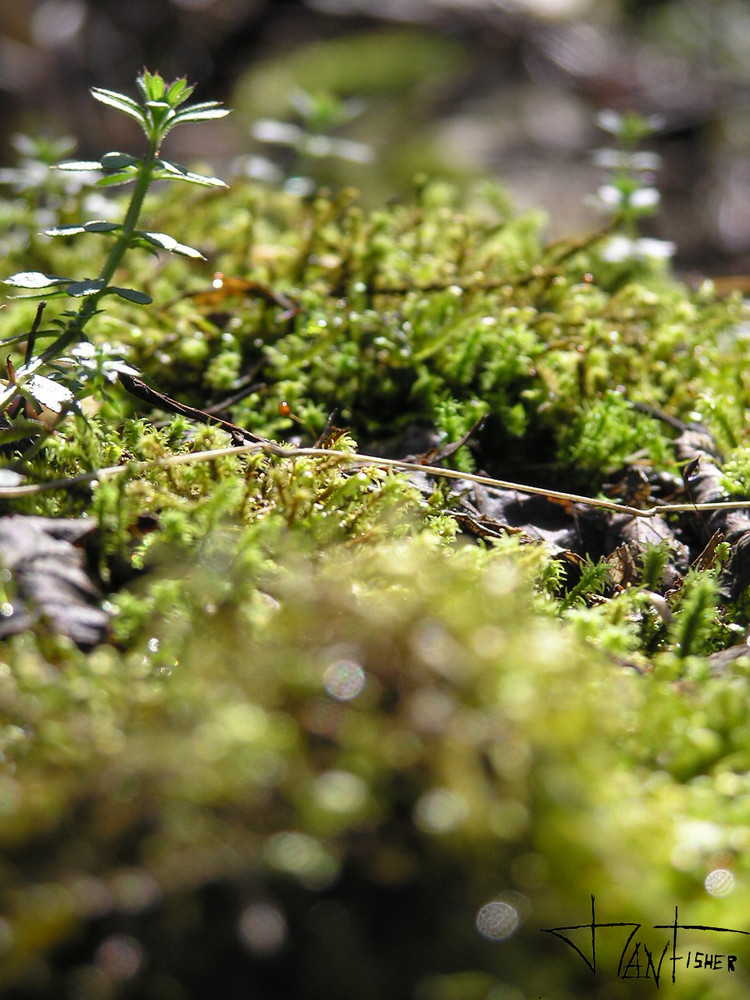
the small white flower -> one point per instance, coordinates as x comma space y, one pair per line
655, 249
610, 121
610, 195
647, 197
620, 248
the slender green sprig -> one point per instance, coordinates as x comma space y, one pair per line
629, 193
302, 143
157, 112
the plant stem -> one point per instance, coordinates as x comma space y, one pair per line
76, 325
122, 244
75, 328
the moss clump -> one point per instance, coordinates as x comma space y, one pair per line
408, 313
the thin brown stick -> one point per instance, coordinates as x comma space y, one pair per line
137, 387
353, 458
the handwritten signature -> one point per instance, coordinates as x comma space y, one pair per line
637, 961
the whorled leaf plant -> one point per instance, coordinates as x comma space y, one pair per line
161, 107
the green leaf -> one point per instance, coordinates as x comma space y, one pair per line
120, 102
203, 106
151, 85
90, 286
95, 226
101, 226
116, 160
34, 279
131, 294
179, 91
64, 230
121, 177
87, 165
46, 392
170, 244
200, 113
175, 171
18, 431
45, 294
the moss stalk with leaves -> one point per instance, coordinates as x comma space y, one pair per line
158, 112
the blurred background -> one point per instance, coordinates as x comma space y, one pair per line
377, 91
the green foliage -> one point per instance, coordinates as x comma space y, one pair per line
695, 628
653, 563
398, 314
157, 114
629, 195
593, 580
736, 470
306, 141
609, 432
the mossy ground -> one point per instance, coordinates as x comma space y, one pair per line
327, 728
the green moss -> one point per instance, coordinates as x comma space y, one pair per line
416, 308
